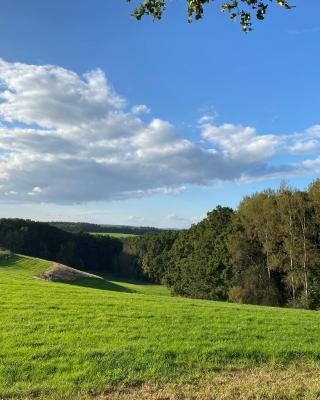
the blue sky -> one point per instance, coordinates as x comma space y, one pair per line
258, 91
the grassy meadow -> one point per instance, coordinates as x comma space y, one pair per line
109, 339
112, 234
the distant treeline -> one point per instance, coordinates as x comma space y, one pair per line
266, 252
78, 250
76, 227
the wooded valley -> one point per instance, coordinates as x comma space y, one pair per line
266, 252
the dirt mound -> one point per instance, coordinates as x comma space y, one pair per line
62, 273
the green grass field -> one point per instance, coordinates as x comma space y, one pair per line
116, 235
118, 340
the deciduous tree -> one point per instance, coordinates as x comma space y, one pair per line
245, 10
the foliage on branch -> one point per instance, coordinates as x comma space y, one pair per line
244, 10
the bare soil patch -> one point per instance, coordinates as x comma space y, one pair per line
62, 273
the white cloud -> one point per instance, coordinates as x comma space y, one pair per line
53, 97
10, 193
67, 139
208, 114
313, 131
136, 219
36, 190
206, 119
177, 221
307, 146
176, 218
140, 109
241, 143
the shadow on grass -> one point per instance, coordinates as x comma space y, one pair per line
101, 284
9, 261
131, 281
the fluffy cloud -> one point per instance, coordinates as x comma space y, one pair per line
66, 138
242, 143
306, 146
53, 97
140, 109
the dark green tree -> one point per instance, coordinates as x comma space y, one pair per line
200, 265
78, 250
149, 254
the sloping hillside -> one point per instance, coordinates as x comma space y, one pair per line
122, 340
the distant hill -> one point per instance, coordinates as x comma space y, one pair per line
77, 227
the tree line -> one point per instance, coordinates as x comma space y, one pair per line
77, 227
265, 252
78, 250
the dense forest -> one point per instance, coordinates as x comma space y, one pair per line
265, 252
77, 227
37, 239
